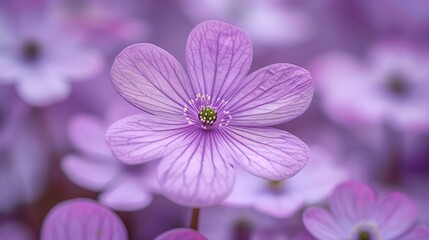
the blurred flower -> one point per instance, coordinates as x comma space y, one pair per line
13, 230
357, 213
103, 22
201, 138
124, 187
23, 158
82, 219
284, 198
390, 87
41, 57
267, 22
220, 223
181, 234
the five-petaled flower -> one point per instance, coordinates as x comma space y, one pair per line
204, 122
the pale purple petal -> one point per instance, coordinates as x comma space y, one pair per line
271, 95
246, 187
78, 64
82, 219
276, 205
87, 134
126, 194
141, 138
322, 225
352, 202
218, 57
151, 79
268, 153
181, 234
89, 173
197, 174
418, 233
395, 215
42, 88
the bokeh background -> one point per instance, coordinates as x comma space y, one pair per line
369, 118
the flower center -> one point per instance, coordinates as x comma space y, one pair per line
364, 235
207, 116
206, 113
276, 185
31, 51
398, 86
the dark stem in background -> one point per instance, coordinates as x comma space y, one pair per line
195, 218
393, 170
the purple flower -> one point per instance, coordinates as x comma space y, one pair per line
82, 219
204, 125
284, 198
389, 87
357, 213
40, 57
124, 187
181, 234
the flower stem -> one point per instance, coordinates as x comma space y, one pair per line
195, 218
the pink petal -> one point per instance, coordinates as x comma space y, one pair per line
141, 138
126, 194
181, 234
197, 174
418, 233
266, 152
151, 79
395, 215
353, 202
89, 173
87, 134
272, 95
322, 225
82, 219
218, 57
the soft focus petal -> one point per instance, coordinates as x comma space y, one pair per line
352, 202
87, 134
395, 215
126, 195
272, 95
181, 234
43, 88
268, 153
79, 64
151, 79
89, 173
218, 57
141, 138
9, 69
418, 233
197, 174
322, 226
82, 219
278, 206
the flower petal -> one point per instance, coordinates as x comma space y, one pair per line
89, 173
126, 195
141, 138
418, 233
276, 205
82, 219
395, 215
322, 225
151, 79
272, 95
266, 152
181, 234
42, 88
352, 202
218, 57
197, 174
87, 134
